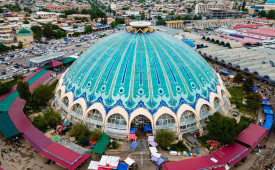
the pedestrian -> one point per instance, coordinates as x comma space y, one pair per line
258, 146
2, 155
19, 149
264, 146
16, 143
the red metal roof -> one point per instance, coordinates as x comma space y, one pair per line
238, 26
63, 156
231, 154
193, 163
252, 135
55, 63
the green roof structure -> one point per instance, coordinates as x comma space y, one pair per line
56, 138
67, 60
24, 32
102, 144
6, 125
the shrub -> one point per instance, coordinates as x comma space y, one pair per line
96, 134
179, 147
79, 129
81, 139
164, 138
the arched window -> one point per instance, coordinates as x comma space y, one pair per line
58, 95
223, 96
117, 124
64, 105
217, 105
204, 113
66, 101
166, 121
94, 119
188, 122
76, 113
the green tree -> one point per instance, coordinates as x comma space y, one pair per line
79, 129
254, 101
2, 21
6, 86
40, 123
238, 78
37, 31
271, 14
88, 28
52, 118
48, 31
96, 134
24, 91
113, 24
243, 5
18, 77
59, 34
41, 95
26, 22
20, 44
248, 84
142, 16
165, 137
160, 22
45, 10
81, 139
133, 17
262, 13
4, 48
222, 128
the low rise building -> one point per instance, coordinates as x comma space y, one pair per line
201, 8
57, 8
25, 36
204, 24
221, 13
47, 15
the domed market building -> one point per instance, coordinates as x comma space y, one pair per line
141, 77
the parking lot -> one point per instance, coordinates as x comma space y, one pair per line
17, 61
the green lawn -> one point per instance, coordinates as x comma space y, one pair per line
237, 96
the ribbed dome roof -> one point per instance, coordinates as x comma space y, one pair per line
24, 32
140, 70
270, 2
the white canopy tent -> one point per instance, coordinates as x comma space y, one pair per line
93, 165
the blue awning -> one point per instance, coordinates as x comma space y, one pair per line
268, 110
134, 145
132, 130
188, 42
122, 167
268, 122
225, 72
265, 102
255, 88
147, 128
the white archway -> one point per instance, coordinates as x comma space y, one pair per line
184, 108
165, 110
82, 103
201, 102
118, 110
141, 111
99, 107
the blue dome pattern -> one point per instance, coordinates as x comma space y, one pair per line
140, 70
270, 2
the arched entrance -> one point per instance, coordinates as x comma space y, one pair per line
143, 126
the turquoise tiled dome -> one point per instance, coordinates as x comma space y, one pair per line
140, 70
270, 2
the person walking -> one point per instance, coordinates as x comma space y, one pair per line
2, 155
